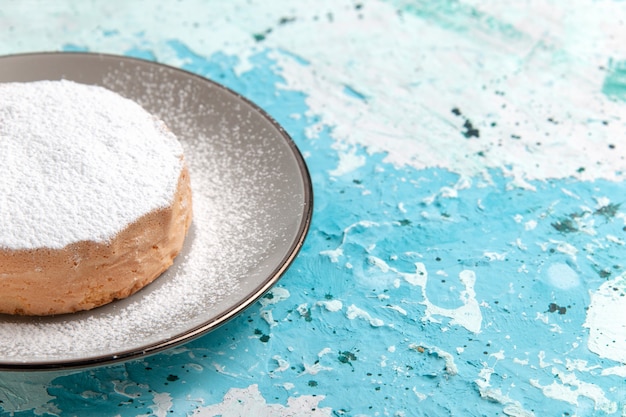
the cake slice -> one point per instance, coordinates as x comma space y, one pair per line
95, 197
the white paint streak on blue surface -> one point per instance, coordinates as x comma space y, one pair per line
331, 305
27, 391
250, 402
162, 404
353, 312
468, 315
605, 320
569, 388
349, 161
511, 407
399, 180
450, 366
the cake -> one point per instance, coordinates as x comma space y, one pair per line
95, 197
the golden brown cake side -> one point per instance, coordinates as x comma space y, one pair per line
85, 275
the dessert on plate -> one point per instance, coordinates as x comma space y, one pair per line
95, 197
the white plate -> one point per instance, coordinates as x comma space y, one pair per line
252, 209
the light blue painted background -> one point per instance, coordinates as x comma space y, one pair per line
379, 353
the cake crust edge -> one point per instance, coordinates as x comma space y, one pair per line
85, 275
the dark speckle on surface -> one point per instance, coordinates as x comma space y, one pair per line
470, 130
444, 260
346, 357
285, 20
608, 211
555, 308
565, 226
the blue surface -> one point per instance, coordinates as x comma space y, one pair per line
389, 242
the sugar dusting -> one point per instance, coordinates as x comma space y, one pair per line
233, 236
78, 163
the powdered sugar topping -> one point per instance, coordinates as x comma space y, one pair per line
249, 203
78, 162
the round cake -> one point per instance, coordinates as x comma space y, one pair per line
95, 197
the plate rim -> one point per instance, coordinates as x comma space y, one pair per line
228, 314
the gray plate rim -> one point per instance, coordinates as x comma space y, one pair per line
237, 308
